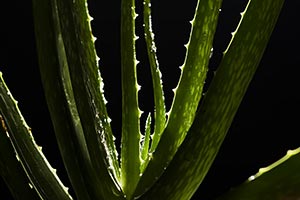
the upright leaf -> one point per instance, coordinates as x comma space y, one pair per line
219, 105
54, 75
87, 83
130, 152
159, 102
82, 161
145, 144
188, 92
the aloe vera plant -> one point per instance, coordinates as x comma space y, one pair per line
171, 157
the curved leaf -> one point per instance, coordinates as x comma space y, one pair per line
159, 102
279, 181
87, 84
188, 93
71, 135
42, 176
11, 169
219, 105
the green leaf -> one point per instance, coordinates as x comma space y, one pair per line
11, 169
130, 143
87, 165
219, 105
281, 180
188, 92
145, 144
67, 125
42, 176
159, 102
87, 83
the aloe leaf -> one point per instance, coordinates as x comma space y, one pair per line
42, 176
87, 84
67, 126
281, 180
11, 169
146, 144
159, 103
130, 151
220, 103
188, 92
85, 177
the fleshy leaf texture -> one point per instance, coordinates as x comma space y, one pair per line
69, 69
279, 181
159, 102
11, 169
55, 77
219, 105
188, 92
40, 173
130, 142
86, 82
145, 143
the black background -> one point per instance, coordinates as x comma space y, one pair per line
266, 124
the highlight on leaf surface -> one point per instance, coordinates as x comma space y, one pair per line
280, 180
188, 92
185, 144
34, 163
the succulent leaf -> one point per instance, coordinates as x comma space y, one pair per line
184, 143
42, 176
145, 144
83, 149
188, 92
159, 102
220, 103
11, 169
130, 143
281, 180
